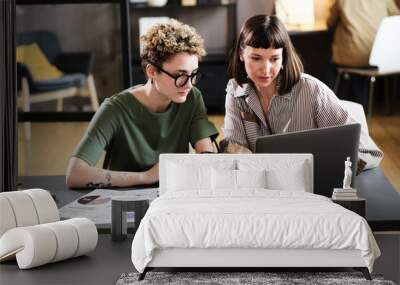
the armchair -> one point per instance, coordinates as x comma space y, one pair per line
31, 231
77, 79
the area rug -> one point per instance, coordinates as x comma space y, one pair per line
244, 278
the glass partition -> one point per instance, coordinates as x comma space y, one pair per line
70, 57
49, 147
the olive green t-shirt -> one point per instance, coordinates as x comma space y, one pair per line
134, 136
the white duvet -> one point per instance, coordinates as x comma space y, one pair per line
252, 218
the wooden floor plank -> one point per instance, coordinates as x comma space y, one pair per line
385, 130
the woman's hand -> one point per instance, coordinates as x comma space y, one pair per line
151, 176
236, 148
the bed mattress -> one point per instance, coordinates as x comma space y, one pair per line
250, 219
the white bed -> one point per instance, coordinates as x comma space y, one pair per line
221, 211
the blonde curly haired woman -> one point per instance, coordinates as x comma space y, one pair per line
162, 116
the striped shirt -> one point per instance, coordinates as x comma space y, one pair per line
309, 105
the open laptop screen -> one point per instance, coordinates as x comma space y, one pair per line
330, 147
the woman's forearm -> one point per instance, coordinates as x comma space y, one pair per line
81, 174
203, 145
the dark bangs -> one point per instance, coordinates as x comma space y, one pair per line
263, 31
265, 35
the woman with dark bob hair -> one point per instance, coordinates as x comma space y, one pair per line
270, 94
163, 115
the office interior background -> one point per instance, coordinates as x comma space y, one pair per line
46, 140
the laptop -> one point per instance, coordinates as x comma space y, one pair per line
330, 147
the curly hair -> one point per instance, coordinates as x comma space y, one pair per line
162, 41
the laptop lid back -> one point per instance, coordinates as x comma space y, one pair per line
330, 147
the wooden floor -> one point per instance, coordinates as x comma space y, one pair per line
51, 144
385, 130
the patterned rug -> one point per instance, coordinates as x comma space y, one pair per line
244, 278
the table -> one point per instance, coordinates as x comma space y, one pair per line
111, 259
102, 266
382, 200
356, 205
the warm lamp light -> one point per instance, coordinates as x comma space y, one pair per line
295, 12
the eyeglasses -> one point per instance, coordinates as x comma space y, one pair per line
182, 79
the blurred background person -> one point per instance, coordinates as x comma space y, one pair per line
356, 23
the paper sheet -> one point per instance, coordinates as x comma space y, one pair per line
96, 205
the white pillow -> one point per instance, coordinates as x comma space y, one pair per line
292, 178
185, 177
223, 179
251, 178
281, 174
237, 179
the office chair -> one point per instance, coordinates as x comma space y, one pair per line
77, 68
384, 60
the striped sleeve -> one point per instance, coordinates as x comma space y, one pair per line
233, 129
330, 112
368, 151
